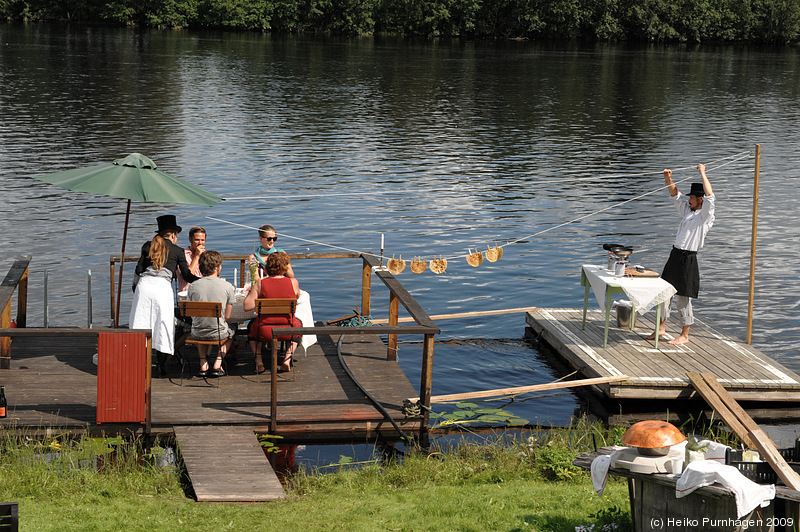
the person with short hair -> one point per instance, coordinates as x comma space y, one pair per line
211, 287
276, 285
197, 245
681, 270
153, 304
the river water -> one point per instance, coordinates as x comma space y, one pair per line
550, 150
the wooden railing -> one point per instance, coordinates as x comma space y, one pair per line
398, 296
16, 279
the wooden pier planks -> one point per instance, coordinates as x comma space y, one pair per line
52, 385
661, 373
227, 464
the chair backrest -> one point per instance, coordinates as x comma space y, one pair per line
276, 306
200, 309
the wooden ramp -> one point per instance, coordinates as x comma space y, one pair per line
227, 464
660, 373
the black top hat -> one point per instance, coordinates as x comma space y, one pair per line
697, 190
167, 222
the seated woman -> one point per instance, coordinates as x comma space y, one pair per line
211, 288
267, 236
277, 285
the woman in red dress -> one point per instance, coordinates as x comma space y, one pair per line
276, 285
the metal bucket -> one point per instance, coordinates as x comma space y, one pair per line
623, 310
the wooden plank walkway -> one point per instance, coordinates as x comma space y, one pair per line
660, 373
52, 385
227, 464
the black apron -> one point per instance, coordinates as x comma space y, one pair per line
681, 271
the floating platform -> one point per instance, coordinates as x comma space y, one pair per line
745, 372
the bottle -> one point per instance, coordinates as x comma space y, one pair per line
3, 403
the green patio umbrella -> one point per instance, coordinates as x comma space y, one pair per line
135, 178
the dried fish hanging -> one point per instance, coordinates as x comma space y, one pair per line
418, 265
494, 254
396, 265
474, 259
439, 265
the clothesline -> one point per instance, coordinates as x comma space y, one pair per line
730, 160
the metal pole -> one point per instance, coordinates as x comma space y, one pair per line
46, 301
89, 301
753, 246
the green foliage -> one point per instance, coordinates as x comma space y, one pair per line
770, 21
471, 413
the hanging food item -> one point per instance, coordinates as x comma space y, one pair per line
396, 265
494, 254
475, 259
438, 265
418, 266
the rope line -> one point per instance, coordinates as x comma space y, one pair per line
730, 160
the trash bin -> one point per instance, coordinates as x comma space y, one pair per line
623, 309
122, 372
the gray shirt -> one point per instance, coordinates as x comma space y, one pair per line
211, 289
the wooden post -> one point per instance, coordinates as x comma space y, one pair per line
366, 288
394, 311
425, 389
753, 247
22, 299
5, 341
273, 392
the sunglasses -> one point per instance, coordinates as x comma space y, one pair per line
273, 238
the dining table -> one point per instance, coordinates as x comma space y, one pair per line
240, 318
644, 290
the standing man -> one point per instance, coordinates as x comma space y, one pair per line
197, 245
681, 271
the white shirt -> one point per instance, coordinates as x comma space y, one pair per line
695, 224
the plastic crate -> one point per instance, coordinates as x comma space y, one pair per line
762, 472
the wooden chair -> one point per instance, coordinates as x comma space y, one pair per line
203, 309
278, 308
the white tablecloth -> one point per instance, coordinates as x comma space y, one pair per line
644, 292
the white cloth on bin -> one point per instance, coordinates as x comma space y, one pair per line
600, 466
747, 493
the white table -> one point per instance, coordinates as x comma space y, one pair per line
303, 313
644, 293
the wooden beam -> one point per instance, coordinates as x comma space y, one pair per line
462, 315
522, 389
707, 384
714, 401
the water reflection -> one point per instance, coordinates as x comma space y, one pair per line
440, 146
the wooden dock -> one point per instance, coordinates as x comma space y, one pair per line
227, 465
745, 372
52, 385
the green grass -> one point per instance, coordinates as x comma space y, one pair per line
524, 485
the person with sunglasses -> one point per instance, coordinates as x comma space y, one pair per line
268, 237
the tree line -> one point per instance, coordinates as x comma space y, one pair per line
754, 21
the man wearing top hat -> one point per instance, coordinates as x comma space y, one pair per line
681, 271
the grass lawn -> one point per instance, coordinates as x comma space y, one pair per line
531, 486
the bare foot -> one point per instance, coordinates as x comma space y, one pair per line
652, 335
680, 340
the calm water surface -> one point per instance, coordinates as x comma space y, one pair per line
442, 147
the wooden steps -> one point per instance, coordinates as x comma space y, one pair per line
660, 373
227, 464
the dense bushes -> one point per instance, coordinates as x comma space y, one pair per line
771, 21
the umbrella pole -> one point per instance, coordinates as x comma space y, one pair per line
121, 262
